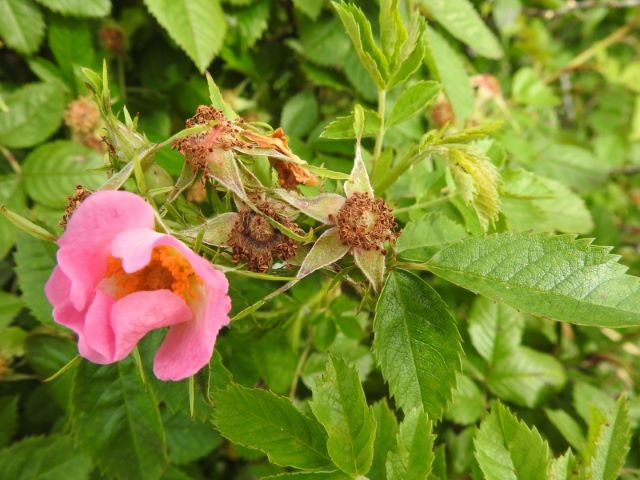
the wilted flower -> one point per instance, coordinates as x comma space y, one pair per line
82, 117
117, 279
361, 224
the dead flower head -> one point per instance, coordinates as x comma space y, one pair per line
256, 242
73, 202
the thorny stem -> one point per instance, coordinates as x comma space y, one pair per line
11, 159
382, 100
585, 55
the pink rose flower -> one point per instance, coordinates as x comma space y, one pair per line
117, 279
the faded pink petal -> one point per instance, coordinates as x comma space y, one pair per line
86, 242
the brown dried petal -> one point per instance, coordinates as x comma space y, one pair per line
73, 202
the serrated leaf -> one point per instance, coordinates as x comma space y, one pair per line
188, 439
586, 397
44, 458
447, 67
300, 114
34, 113
416, 344
12, 197
609, 440
411, 55
361, 34
476, 181
340, 406
324, 42
8, 418
116, 419
10, 306
468, 402
562, 468
34, 261
342, 127
514, 372
21, 25
197, 26
386, 431
252, 22
507, 449
534, 203
79, 8
71, 42
263, 421
412, 101
412, 457
463, 22
554, 276
421, 238
52, 171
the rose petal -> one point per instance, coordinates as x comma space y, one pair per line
93, 226
133, 316
98, 333
189, 346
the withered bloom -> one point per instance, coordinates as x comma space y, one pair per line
82, 117
113, 39
361, 224
73, 202
256, 242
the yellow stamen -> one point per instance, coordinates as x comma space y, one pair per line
166, 270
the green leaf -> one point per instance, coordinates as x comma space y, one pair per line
188, 439
476, 181
300, 114
71, 42
416, 343
197, 26
324, 42
311, 8
34, 261
468, 402
116, 419
412, 457
47, 354
514, 372
609, 439
568, 427
44, 458
10, 306
340, 406
263, 421
421, 238
34, 114
359, 30
535, 203
12, 197
252, 22
217, 100
562, 468
52, 171
386, 431
554, 276
79, 8
412, 101
586, 397
21, 25
8, 419
342, 127
411, 55
393, 33
447, 67
463, 22
507, 449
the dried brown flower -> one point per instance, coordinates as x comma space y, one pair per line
83, 119
113, 39
255, 241
366, 222
442, 112
197, 148
73, 202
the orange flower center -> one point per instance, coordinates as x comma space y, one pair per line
167, 270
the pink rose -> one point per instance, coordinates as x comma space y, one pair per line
117, 279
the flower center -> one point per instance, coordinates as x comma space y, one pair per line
365, 222
167, 269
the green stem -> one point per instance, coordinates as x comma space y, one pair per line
428, 204
382, 101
